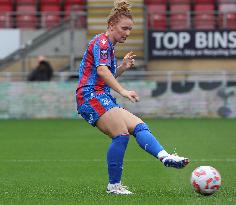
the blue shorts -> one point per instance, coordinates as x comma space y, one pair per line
95, 107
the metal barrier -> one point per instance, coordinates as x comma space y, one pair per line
137, 75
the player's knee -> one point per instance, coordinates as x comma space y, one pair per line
119, 133
121, 139
116, 131
119, 129
140, 127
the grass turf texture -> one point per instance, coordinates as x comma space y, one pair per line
64, 162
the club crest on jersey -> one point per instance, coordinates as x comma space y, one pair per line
103, 41
104, 54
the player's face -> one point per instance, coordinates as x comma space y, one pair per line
121, 30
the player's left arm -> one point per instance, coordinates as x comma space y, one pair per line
127, 63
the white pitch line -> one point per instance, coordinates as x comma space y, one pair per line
103, 160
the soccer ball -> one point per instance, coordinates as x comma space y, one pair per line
205, 180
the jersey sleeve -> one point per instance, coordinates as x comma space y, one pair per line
102, 53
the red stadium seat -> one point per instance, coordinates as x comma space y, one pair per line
5, 2
26, 2
26, 21
68, 3
204, 1
5, 16
204, 7
179, 2
204, 17
227, 16
46, 2
226, 1
155, 1
50, 7
179, 16
50, 20
227, 7
79, 12
26, 16
26, 8
230, 21
157, 16
5, 7
50, 15
80, 2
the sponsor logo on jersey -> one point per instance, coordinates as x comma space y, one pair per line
90, 118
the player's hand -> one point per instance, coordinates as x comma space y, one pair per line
128, 61
131, 95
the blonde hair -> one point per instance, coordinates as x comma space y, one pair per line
121, 8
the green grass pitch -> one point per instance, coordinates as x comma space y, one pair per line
64, 162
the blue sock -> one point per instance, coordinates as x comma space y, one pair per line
115, 156
146, 140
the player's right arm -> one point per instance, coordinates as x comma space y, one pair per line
109, 79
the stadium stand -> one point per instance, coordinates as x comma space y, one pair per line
5, 15
225, 1
79, 12
204, 1
227, 15
155, 2
179, 16
26, 16
75, 2
191, 14
76, 7
40, 13
46, 2
179, 1
5, 2
51, 15
162, 14
24, 2
157, 20
204, 16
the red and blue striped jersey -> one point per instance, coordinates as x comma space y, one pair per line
100, 51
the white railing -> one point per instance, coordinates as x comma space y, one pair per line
181, 75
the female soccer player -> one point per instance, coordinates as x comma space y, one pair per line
97, 74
